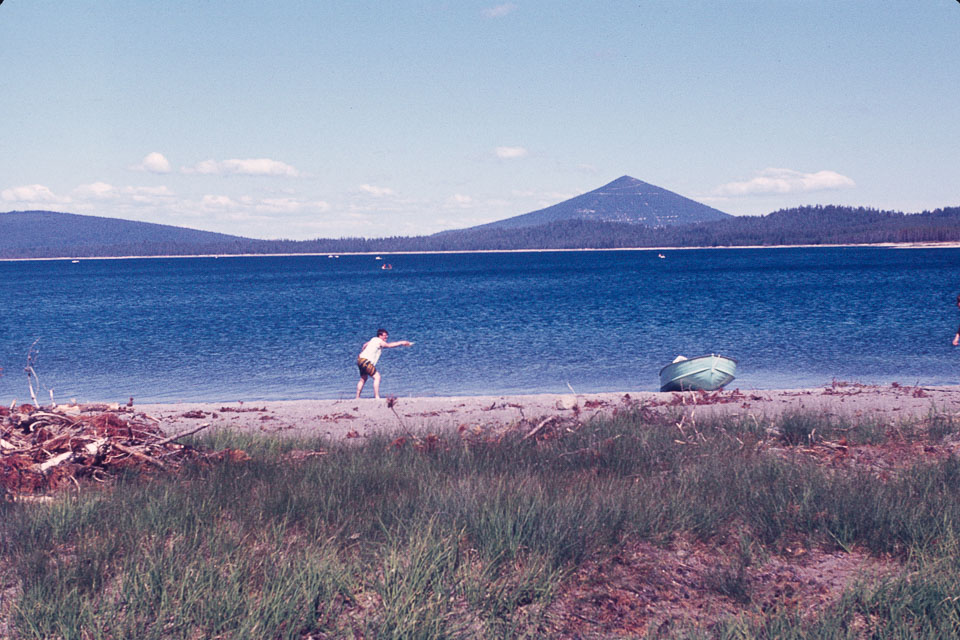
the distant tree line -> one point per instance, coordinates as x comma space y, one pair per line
813, 225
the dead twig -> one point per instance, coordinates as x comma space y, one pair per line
31, 373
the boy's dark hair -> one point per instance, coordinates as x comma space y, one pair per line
382, 332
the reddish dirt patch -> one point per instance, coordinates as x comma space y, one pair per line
646, 589
880, 459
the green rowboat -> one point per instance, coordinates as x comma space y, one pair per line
705, 373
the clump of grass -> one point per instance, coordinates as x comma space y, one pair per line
254, 444
731, 578
803, 427
868, 431
940, 425
415, 582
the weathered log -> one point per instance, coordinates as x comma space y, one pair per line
181, 435
56, 460
51, 418
537, 428
139, 455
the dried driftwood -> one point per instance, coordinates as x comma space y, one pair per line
55, 461
181, 435
42, 449
540, 426
138, 454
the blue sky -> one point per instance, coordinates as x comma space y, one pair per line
313, 119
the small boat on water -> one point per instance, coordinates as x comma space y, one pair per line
704, 373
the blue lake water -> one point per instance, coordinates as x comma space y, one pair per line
269, 328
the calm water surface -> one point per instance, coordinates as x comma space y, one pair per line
258, 328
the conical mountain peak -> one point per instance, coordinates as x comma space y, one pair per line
626, 199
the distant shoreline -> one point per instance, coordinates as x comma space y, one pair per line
883, 245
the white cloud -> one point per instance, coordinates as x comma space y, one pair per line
460, 200
378, 192
246, 167
148, 195
783, 181
104, 191
509, 153
31, 193
260, 167
280, 205
217, 202
206, 167
149, 191
500, 10
97, 190
246, 207
290, 205
154, 163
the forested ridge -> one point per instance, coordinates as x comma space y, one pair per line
49, 234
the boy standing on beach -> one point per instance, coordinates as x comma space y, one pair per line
369, 355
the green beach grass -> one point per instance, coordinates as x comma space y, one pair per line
464, 535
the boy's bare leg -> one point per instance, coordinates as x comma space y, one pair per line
360, 384
376, 385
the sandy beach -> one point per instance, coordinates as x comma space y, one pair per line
351, 418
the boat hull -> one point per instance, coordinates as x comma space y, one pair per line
705, 373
